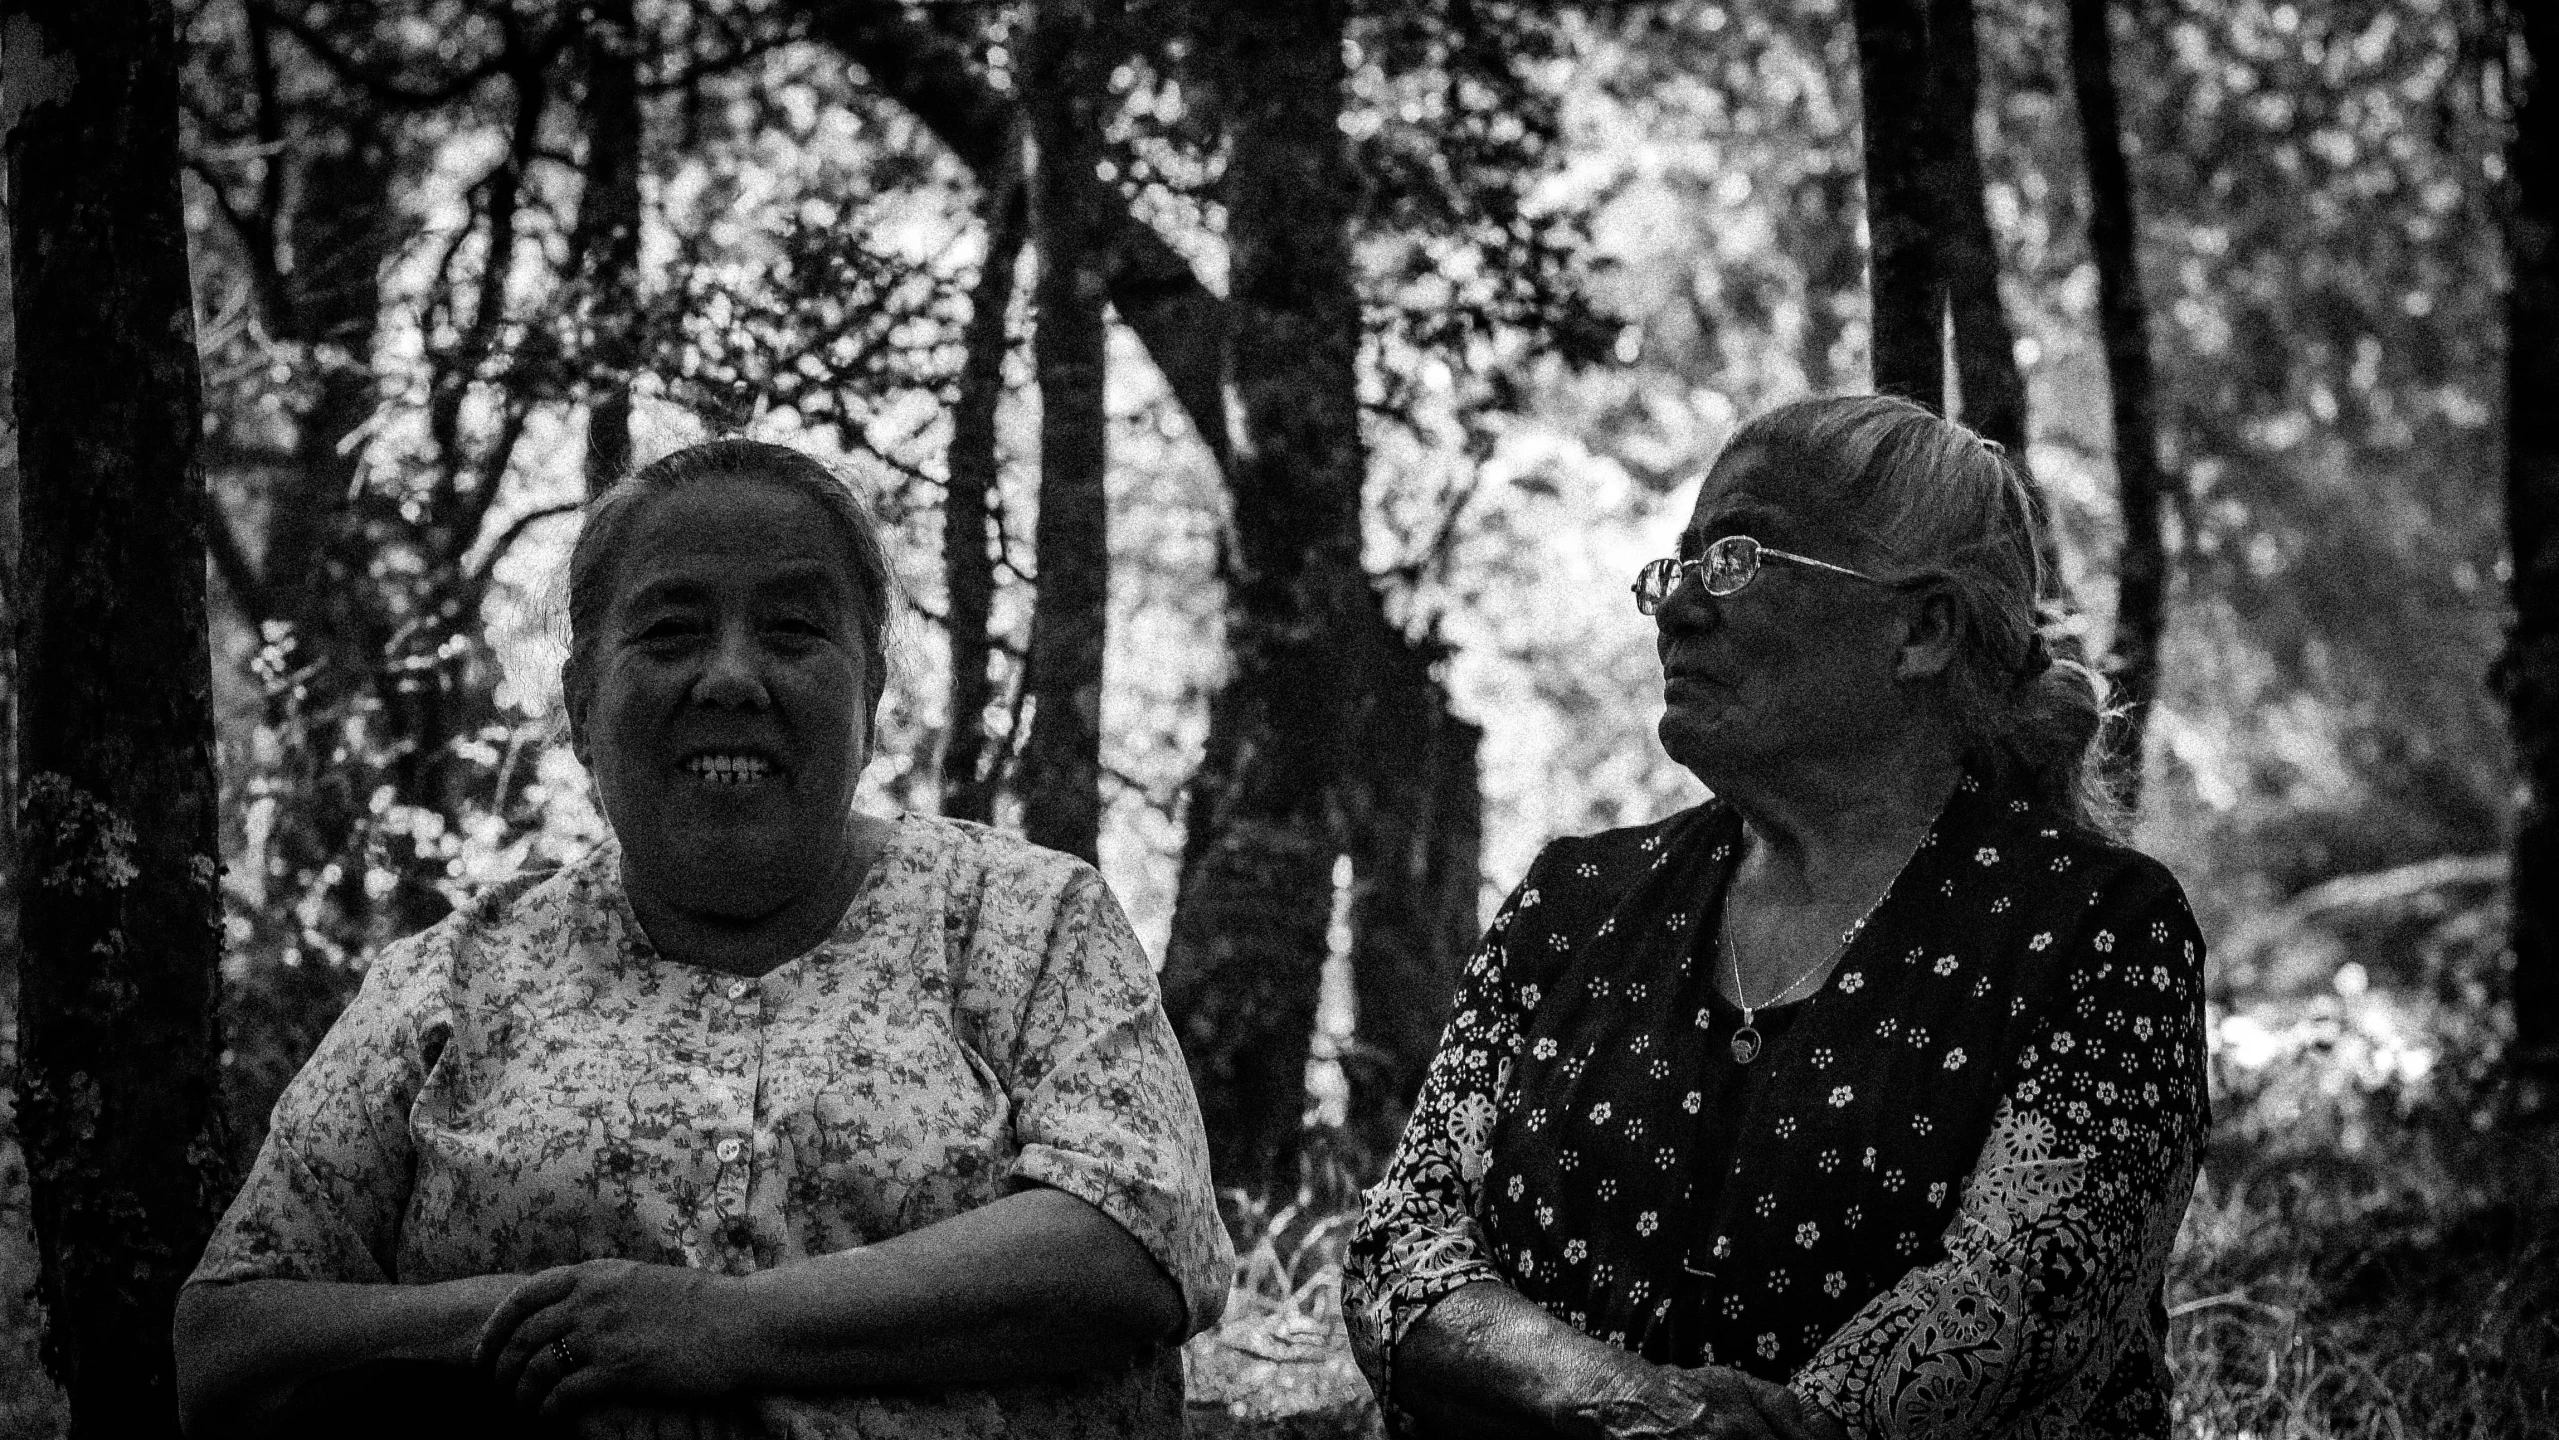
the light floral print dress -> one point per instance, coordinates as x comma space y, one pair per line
528, 1083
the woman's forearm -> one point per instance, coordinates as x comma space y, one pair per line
1036, 1283
1488, 1361
242, 1347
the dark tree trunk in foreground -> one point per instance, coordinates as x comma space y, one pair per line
1248, 938
1064, 88
2528, 673
1249, 929
1907, 298
122, 927
968, 562
608, 235
1932, 258
1989, 393
2123, 320
1417, 848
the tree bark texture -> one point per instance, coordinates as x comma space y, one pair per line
1264, 824
968, 561
2528, 673
1417, 823
1065, 86
608, 235
1906, 295
1989, 393
121, 924
2123, 322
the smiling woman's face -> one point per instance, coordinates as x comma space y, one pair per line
728, 713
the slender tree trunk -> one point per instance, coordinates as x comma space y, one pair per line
609, 231
122, 934
2123, 319
2528, 672
968, 789
1418, 828
1153, 289
1990, 394
1248, 941
1065, 87
1907, 296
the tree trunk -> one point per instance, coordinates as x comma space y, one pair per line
122, 934
1907, 297
968, 781
1248, 938
1989, 393
608, 232
2123, 320
1065, 86
1152, 288
1418, 827
2528, 672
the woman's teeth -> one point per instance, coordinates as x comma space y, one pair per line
728, 769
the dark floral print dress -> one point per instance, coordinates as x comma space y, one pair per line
1938, 1203
528, 1084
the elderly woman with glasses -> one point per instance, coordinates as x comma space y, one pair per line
1864, 1098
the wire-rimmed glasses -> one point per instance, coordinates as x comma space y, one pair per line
1723, 568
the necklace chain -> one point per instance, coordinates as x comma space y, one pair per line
1746, 1040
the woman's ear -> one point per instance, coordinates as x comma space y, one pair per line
1932, 635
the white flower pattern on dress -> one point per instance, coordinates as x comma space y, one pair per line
2030, 1314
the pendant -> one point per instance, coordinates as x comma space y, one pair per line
1745, 1044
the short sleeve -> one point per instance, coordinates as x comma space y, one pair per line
2059, 1245
1102, 1104
324, 1199
1418, 1239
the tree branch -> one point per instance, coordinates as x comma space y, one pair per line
1157, 294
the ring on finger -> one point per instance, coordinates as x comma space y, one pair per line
566, 1354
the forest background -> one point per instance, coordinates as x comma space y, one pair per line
1270, 403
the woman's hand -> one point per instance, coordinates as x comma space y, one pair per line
578, 1335
1662, 1402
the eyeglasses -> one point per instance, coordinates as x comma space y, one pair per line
1724, 568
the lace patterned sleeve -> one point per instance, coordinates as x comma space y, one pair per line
2056, 1254
1417, 1237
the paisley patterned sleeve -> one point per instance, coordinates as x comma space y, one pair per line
1102, 1103
1417, 1238
324, 1199
2056, 1254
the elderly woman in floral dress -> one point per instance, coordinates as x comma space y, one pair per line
767, 1116
1863, 1099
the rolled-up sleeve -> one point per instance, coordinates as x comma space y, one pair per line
2053, 1266
1418, 1239
1102, 1104
324, 1199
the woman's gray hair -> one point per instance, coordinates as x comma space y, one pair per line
610, 515
1934, 502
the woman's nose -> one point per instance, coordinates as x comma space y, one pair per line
1687, 607
731, 675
